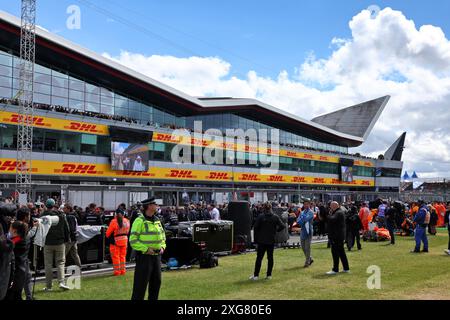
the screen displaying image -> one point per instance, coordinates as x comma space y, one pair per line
346, 174
129, 156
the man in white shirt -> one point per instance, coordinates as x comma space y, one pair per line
214, 212
138, 165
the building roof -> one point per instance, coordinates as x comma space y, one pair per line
60, 53
395, 151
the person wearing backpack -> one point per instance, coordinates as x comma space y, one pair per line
422, 219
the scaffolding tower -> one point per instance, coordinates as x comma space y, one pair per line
25, 96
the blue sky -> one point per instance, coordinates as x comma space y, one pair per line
265, 36
408, 61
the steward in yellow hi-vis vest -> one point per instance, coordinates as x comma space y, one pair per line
148, 239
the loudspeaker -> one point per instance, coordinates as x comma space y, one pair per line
239, 213
217, 235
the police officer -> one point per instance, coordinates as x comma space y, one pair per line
148, 239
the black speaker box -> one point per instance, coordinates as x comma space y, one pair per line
239, 213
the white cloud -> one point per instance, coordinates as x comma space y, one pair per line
388, 54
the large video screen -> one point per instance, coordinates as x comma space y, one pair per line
129, 156
346, 174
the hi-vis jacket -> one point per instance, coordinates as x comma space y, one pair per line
147, 234
120, 234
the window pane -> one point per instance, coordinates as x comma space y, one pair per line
5, 92
94, 107
92, 98
5, 60
76, 104
51, 140
58, 101
5, 71
107, 109
109, 100
90, 88
59, 75
88, 139
121, 103
42, 69
60, 92
121, 112
75, 84
5, 81
42, 88
60, 82
70, 143
42, 78
77, 95
41, 98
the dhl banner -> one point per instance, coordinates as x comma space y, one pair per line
51, 168
98, 129
168, 138
57, 124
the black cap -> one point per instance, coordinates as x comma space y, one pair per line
306, 200
148, 201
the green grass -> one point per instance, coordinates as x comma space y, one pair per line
403, 276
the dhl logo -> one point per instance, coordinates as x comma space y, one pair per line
249, 177
199, 142
276, 178
10, 166
251, 149
308, 156
365, 183
37, 121
78, 169
291, 154
323, 158
299, 179
335, 181
227, 145
166, 138
319, 180
368, 164
218, 176
137, 174
83, 127
180, 174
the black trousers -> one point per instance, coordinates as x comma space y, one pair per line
261, 251
353, 235
147, 273
338, 252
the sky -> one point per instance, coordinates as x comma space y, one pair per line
305, 57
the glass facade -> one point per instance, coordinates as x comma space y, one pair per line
232, 121
53, 87
86, 144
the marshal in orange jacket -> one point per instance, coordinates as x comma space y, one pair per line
118, 248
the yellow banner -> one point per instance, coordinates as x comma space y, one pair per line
52, 168
98, 129
57, 124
